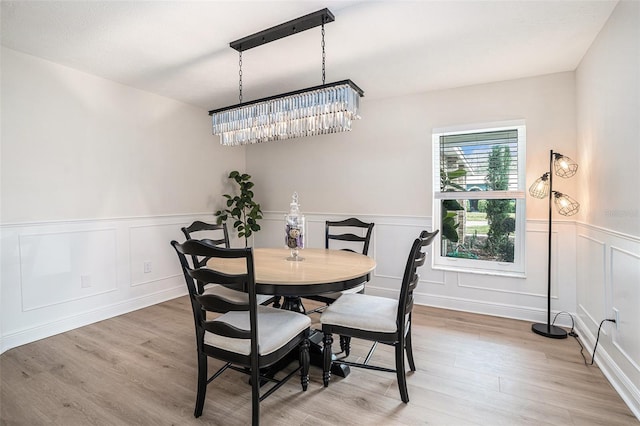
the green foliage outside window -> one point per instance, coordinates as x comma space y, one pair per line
499, 212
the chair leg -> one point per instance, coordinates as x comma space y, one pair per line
255, 396
345, 345
202, 384
326, 357
400, 373
304, 364
412, 364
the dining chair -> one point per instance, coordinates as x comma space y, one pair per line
343, 235
248, 337
378, 319
217, 235
345, 240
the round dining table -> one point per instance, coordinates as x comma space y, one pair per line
320, 271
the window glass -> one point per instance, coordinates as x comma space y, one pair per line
479, 199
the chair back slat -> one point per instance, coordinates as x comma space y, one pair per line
211, 276
227, 330
348, 235
417, 258
213, 303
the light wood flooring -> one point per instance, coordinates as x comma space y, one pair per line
140, 369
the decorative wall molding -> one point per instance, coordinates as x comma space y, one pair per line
621, 382
60, 275
46, 267
608, 273
514, 297
624, 340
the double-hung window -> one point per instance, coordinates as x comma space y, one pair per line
479, 198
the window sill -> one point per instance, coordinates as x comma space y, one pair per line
463, 270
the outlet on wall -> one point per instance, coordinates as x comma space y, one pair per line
85, 281
147, 267
616, 316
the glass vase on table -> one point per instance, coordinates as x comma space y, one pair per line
294, 229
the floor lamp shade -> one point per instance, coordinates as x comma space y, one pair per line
564, 167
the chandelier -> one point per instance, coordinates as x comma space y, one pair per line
318, 110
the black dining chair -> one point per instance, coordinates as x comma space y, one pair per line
352, 235
217, 235
343, 235
248, 337
378, 319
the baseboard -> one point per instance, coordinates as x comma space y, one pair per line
29, 335
628, 391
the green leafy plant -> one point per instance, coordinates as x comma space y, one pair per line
244, 211
501, 224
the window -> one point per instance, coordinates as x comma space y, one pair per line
479, 198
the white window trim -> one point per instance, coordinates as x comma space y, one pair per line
515, 269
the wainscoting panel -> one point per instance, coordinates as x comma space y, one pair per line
608, 271
591, 279
514, 297
152, 257
625, 290
57, 276
392, 248
64, 266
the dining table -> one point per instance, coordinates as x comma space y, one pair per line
316, 271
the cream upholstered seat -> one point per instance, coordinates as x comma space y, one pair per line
248, 337
217, 236
377, 319
275, 328
364, 312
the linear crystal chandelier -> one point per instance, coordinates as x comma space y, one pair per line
328, 108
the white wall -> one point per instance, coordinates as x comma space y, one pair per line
383, 166
96, 179
608, 121
75, 146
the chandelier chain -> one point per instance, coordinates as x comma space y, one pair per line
240, 75
323, 54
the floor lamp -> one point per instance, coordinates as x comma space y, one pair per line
564, 167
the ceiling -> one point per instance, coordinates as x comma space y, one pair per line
181, 49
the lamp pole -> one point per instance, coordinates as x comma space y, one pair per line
547, 329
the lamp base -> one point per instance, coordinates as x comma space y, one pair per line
551, 331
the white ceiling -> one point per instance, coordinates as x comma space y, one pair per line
181, 49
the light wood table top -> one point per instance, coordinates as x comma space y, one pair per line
321, 271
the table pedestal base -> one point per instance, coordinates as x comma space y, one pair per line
315, 351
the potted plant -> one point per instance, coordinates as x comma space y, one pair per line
241, 208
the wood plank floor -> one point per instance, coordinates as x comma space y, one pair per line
140, 369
